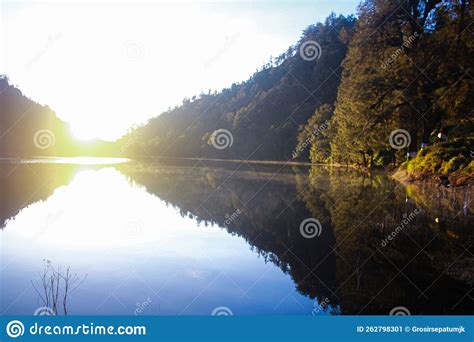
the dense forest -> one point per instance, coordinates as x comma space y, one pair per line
400, 66
393, 83
408, 66
263, 114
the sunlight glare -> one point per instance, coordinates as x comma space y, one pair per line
103, 79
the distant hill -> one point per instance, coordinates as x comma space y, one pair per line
29, 129
372, 92
263, 114
368, 91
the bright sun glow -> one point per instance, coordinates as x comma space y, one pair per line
70, 229
82, 131
105, 67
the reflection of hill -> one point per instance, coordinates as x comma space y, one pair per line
452, 215
356, 211
415, 269
23, 184
266, 213
445, 204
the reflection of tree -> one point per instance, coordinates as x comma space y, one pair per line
356, 210
364, 209
271, 212
23, 184
451, 216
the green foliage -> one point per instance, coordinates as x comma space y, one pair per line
263, 113
444, 158
401, 65
316, 134
403, 74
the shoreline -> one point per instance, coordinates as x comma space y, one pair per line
399, 174
151, 159
402, 176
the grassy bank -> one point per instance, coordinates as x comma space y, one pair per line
448, 162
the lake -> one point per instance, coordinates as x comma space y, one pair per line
202, 237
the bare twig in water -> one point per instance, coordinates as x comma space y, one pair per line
56, 286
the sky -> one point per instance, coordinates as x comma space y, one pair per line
105, 66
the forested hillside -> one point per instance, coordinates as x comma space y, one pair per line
391, 82
263, 114
29, 129
409, 67
22, 119
367, 90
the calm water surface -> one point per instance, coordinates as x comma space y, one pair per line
187, 238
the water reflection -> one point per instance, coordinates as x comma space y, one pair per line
185, 239
424, 267
136, 248
22, 185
